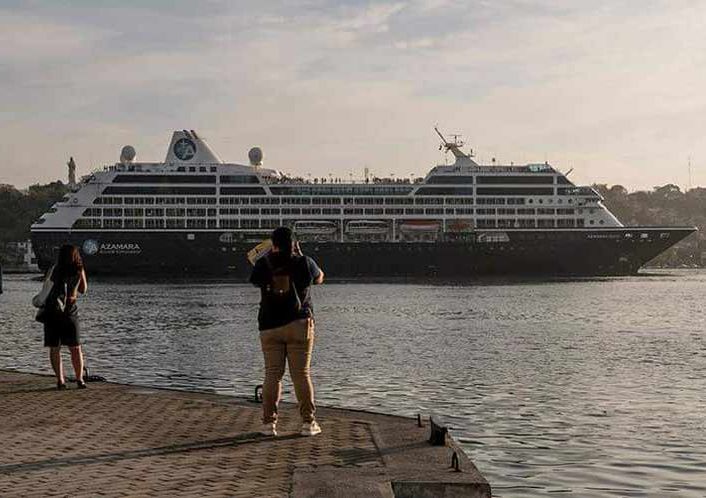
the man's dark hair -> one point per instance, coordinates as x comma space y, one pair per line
282, 238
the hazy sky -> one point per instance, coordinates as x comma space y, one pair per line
614, 89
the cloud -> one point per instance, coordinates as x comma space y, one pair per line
609, 89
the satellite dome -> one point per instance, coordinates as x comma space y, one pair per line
127, 154
255, 156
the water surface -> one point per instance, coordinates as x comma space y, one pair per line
579, 388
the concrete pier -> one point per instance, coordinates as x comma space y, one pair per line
121, 440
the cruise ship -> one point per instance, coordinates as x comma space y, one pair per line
194, 213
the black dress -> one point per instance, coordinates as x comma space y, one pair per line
63, 329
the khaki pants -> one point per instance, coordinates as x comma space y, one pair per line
293, 344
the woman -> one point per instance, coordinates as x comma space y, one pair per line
62, 328
286, 323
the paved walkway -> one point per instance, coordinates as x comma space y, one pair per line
117, 440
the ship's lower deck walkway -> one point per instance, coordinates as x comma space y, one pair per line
119, 440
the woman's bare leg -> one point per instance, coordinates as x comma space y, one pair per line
77, 361
55, 358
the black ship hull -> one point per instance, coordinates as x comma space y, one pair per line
586, 252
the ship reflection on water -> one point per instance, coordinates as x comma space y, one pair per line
590, 387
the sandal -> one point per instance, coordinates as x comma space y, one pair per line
81, 384
61, 386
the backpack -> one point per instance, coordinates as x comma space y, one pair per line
280, 293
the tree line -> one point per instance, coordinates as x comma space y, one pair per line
666, 205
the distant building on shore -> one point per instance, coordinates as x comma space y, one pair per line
19, 257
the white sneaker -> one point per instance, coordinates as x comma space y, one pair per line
311, 429
269, 429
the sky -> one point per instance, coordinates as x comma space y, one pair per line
613, 90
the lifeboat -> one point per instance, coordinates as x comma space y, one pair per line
313, 227
367, 227
420, 226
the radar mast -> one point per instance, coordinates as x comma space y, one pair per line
454, 147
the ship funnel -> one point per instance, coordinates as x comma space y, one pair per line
188, 147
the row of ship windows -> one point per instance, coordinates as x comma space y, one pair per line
130, 223
250, 179
201, 212
331, 201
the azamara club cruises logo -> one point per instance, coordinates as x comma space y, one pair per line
91, 247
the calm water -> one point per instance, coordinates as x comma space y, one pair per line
581, 388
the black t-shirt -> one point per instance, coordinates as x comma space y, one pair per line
303, 270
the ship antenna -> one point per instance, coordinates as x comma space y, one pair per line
454, 147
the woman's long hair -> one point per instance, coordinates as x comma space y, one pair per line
68, 264
282, 239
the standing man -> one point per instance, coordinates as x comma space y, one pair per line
286, 323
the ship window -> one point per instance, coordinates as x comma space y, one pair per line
112, 223
414, 211
434, 211
543, 223
242, 191
601, 222
579, 222
160, 190
449, 180
239, 179
113, 212
445, 191
181, 168
202, 169
154, 212
506, 211
250, 223
195, 212
564, 223
375, 211
515, 191
200, 200
591, 222
192, 169
394, 211
133, 223
165, 179
525, 211
154, 223
464, 210
485, 211
175, 223
230, 223
195, 223
331, 211
546, 211
531, 201
508, 179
